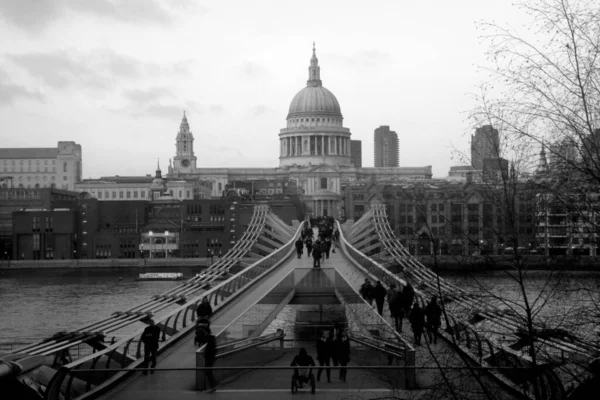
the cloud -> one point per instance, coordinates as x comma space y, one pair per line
253, 70
365, 58
152, 94
10, 93
259, 110
36, 15
99, 69
216, 108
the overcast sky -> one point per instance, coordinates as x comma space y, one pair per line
115, 76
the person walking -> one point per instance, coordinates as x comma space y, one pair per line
341, 349
379, 294
392, 292
417, 322
397, 311
150, 338
327, 245
204, 310
299, 247
210, 355
309, 245
366, 291
323, 356
433, 312
316, 253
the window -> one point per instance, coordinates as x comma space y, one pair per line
135, 194
323, 183
64, 178
114, 195
99, 195
188, 194
143, 194
65, 167
36, 223
128, 194
121, 194
36, 242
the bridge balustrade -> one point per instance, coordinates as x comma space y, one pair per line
68, 383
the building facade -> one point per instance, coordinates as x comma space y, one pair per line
356, 153
387, 149
485, 143
315, 152
34, 168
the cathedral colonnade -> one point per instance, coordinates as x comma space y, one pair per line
325, 208
314, 145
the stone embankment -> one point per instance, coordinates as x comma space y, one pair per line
133, 263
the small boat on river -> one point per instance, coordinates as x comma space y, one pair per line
161, 276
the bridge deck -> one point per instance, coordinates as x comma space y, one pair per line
273, 384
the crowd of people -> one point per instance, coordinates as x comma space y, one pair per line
323, 245
402, 304
333, 347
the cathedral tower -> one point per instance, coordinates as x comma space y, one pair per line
184, 160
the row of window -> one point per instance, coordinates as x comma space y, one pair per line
27, 162
128, 194
36, 224
21, 169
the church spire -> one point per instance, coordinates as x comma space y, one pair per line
542, 167
184, 127
314, 71
158, 172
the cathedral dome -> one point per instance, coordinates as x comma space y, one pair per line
314, 99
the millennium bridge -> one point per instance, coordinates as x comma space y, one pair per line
482, 352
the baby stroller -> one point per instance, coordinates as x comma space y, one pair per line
202, 331
303, 375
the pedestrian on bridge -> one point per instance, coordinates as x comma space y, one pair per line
379, 294
341, 348
433, 312
150, 338
417, 322
204, 310
324, 348
309, 245
210, 355
299, 247
366, 291
316, 253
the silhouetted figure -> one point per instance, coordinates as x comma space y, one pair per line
210, 353
204, 310
379, 294
341, 349
150, 338
299, 247
417, 322
433, 312
323, 355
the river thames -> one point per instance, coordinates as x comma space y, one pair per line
37, 304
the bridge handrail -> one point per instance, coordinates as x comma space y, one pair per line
177, 294
244, 344
177, 322
461, 332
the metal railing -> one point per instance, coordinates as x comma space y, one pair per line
485, 346
173, 326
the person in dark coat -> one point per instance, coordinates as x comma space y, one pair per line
327, 244
323, 355
299, 247
316, 253
433, 312
150, 338
397, 312
366, 291
309, 245
379, 294
330, 344
204, 310
417, 322
302, 360
341, 348
210, 355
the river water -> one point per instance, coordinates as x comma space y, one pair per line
37, 304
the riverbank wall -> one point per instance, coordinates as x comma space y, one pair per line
441, 263
123, 263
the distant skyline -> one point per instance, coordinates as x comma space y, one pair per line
116, 76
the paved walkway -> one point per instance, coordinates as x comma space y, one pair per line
273, 384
